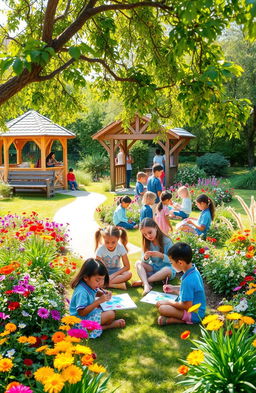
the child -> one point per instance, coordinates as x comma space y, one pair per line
162, 212
154, 183
111, 252
148, 200
155, 264
119, 218
72, 180
201, 225
190, 292
87, 283
185, 208
139, 188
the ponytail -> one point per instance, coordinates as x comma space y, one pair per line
165, 196
111, 230
204, 198
97, 237
160, 206
123, 237
125, 199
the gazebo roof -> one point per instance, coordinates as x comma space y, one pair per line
32, 123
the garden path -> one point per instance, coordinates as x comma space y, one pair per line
80, 216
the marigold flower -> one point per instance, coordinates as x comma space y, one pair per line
5, 365
3, 341
183, 369
63, 360
215, 325
194, 308
96, 368
83, 349
43, 373
72, 339
42, 348
210, 318
54, 383
64, 346
11, 327
64, 327
31, 340
233, 316
87, 360
185, 335
5, 333
22, 339
51, 352
72, 374
195, 357
70, 320
247, 320
58, 336
225, 308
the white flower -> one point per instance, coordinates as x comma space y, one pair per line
53, 303
214, 271
25, 314
243, 274
244, 263
22, 325
10, 353
231, 274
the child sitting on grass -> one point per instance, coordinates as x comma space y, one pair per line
191, 292
119, 218
148, 200
183, 210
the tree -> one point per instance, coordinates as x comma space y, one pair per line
160, 57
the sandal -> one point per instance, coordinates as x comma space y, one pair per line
162, 321
136, 284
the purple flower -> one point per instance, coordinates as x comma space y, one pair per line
4, 316
236, 289
55, 315
43, 313
21, 249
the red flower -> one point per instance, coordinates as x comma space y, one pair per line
201, 250
242, 283
13, 305
28, 362
185, 335
206, 256
8, 292
249, 278
38, 343
44, 337
28, 373
67, 271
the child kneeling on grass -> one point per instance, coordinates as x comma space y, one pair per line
191, 292
87, 284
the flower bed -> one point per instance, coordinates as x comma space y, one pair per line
106, 212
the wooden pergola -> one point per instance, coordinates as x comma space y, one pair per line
33, 127
115, 135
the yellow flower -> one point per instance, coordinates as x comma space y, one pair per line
225, 308
83, 350
3, 341
43, 373
51, 351
233, 316
5, 365
72, 374
64, 327
195, 357
70, 320
42, 348
250, 291
63, 346
54, 384
247, 320
5, 333
194, 308
252, 285
96, 368
254, 342
70, 339
210, 318
22, 339
215, 325
31, 340
63, 360
11, 327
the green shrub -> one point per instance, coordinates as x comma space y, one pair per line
83, 178
246, 181
185, 159
5, 190
139, 153
189, 175
214, 164
96, 164
106, 186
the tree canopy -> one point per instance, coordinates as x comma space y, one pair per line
159, 57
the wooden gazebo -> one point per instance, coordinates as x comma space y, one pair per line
115, 135
33, 127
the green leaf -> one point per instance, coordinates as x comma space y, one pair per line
18, 66
74, 52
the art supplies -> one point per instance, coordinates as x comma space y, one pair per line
153, 297
119, 302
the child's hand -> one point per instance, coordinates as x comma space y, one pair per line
168, 289
189, 221
147, 254
106, 297
162, 303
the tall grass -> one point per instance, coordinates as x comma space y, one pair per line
83, 178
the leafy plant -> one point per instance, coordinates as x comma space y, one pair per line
189, 175
213, 164
246, 181
5, 190
83, 178
97, 165
139, 153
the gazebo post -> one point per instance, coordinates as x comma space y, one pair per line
167, 163
112, 165
65, 160
1, 153
6, 159
43, 153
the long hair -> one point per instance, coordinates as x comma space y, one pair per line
184, 188
125, 199
111, 230
49, 155
150, 223
204, 198
165, 196
91, 267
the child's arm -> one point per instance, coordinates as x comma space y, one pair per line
193, 222
86, 310
125, 268
171, 289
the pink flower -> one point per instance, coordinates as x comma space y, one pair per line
90, 325
78, 333
20, 389
237, 289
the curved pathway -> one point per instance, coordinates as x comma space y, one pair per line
80, 217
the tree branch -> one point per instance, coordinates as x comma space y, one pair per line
65, 12
55, 72
49, 20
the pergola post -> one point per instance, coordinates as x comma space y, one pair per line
65, 160
6, 159
112, 165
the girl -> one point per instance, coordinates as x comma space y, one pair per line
185, 208
111, 252
155, 264
87, 283
119, 218
51, 161
148, 200
201, 225
162, 212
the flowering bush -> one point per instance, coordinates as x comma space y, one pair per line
106, 212
189, 175
223, 360
243, 241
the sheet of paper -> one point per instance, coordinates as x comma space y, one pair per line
119, 302
153, 297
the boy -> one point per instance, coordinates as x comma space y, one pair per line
139, 188
191, 291
148, 200
72, 180
154, 183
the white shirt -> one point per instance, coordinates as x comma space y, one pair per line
158, 160
128, 164
120, 158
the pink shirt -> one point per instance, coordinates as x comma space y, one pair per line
160, 219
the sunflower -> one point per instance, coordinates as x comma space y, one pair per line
194, 308
43, 373
5, 365
83, 349
72, 374
233, 316
195, 357
247, 320
215, 325
70, 320
11, 327
54, 383
183, 370
210, 318
96, 368
42, 348
225, 308
63, 360
58, 336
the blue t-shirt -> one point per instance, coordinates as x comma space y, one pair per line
192, 289
165, 261
154, 185
146, 211
139, 188
119, 215
82, 297
205, 219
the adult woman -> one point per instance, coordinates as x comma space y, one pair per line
51, 161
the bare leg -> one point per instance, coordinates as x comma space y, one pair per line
173, 314
108, 320
142, 269
186, 228
123, 277
160, 275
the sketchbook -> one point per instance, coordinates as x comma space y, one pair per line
153, 297
119, 302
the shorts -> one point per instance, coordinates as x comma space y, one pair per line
180, 214
113, 270
187, 317
156, 268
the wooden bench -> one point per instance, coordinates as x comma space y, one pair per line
32, 180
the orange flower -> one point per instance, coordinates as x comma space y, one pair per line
183, 370
11, 327
87, 360
58, 336
185, 335
249, 255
